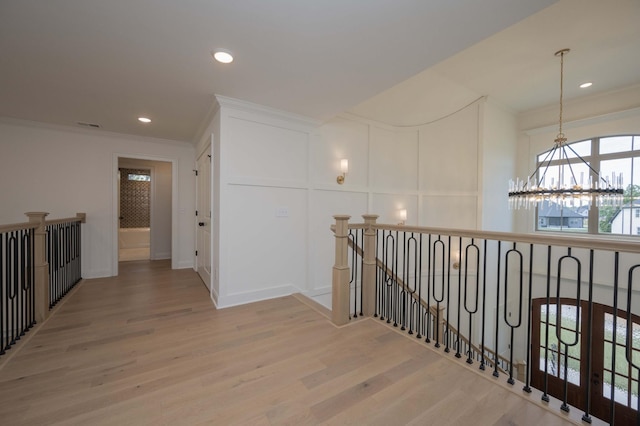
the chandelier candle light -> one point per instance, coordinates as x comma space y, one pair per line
564, 189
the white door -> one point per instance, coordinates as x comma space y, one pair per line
203, 218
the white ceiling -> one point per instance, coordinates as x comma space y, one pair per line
110, 61
517, 67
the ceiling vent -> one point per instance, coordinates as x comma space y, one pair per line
92, 125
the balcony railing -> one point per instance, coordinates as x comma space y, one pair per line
39, 264
553, 313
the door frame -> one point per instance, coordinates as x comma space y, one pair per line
115, 201
208, 150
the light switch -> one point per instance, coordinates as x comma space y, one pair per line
282, 212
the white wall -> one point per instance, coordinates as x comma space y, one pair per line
64, 170
278, 191
498, 150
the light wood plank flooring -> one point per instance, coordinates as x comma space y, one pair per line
148, 348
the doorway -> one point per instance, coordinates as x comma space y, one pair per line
203, 217
134, 213
567, 359
144, 203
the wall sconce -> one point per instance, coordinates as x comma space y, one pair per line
402, 214
344, 168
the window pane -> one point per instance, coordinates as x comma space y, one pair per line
139, 177
616, 220
566, 175
582, 148
615, 144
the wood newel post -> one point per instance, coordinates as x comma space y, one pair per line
341, 273
82, 217
41, 265
369, 266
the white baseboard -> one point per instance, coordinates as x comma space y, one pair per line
184, 264
318, 291
161, 256
97, 273
255, 296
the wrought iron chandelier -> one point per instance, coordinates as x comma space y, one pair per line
563, 188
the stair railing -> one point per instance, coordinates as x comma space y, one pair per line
39, 264
471, 293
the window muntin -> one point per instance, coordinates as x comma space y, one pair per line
555, 351
618, 160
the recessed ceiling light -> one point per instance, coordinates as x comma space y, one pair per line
144, 119
222, 56
585, 85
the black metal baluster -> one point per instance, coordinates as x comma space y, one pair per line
402, 305
458, 355
24, 281
545, 395
361, 266
2, 293
629, 335
447, 334
67, 260
419, 273
507, 314
428, 315
411, 297
527, 382
390, 255
438, 243
484, 306
495, 361
14, 286
396, 289
379, 278
612, 410
474, 309
586, 417
559, 335
352, 278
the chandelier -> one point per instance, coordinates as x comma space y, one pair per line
562, 187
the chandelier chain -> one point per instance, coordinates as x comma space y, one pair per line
561, 90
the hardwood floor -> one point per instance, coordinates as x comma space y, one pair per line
148, 348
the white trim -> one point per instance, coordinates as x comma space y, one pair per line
584, 121
256, 296
92, 132
306, 123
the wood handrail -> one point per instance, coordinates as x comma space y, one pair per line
575, 241
17, 227
80, 217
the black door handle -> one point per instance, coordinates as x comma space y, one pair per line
200, 223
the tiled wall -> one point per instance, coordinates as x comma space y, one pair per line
135, 197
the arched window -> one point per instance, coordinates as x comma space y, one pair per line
613, 156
